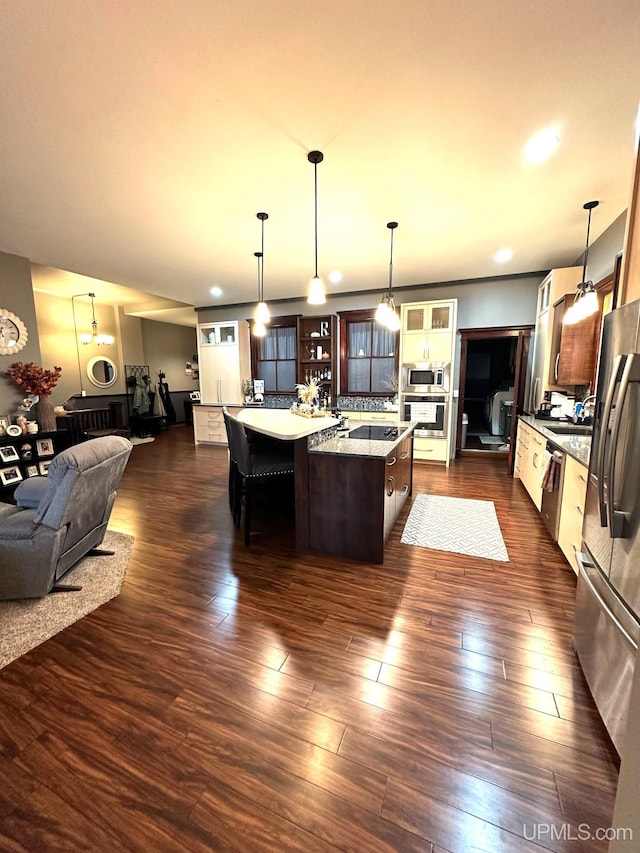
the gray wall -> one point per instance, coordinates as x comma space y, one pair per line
507, 301
167, 348
603, 253
16, 295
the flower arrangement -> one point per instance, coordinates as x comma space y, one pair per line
308, 392
34, 379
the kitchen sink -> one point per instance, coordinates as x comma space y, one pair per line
570, 429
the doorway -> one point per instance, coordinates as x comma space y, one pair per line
493, 364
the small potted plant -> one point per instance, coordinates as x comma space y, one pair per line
247, 390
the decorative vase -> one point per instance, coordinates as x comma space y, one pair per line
45, 414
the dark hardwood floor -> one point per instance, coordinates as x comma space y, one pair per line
262, 700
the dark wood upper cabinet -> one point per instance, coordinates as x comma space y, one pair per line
573, 347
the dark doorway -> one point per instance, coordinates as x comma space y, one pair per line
492, 378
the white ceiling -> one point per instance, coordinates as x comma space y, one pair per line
139, 139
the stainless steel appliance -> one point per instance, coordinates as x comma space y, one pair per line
552, 491
429, 410
425, 377
607, 618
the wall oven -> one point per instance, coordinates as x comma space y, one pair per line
430, 412
425, 377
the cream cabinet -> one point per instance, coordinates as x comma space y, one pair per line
223, 361
530, 447
208, 424
218, 334
371, 416
572, 509
430, 449
428, 330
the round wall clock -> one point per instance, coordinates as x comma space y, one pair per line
13, 333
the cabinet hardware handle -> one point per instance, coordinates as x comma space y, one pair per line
392, 461
404, 454
580, 510
390, 481
404, 491
580, 477
533, 461
555, 370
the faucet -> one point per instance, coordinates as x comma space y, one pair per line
583, 409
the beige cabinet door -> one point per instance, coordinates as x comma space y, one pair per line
574, 494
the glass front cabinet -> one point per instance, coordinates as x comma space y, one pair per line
427, 331
218, 334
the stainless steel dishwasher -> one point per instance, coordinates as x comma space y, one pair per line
552, 483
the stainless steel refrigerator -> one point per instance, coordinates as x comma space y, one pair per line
607, 618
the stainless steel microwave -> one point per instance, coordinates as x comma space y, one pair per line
425, 377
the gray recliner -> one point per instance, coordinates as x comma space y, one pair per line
59, 518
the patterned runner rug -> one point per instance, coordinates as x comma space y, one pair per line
461, 525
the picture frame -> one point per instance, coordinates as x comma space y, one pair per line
5, 421
32, 471
8, 453
44, 447
11, 475
43, 467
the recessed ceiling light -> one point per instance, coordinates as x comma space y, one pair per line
335, 277
216, 291
542, 145
502, 256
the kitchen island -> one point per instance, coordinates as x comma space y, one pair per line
348, 490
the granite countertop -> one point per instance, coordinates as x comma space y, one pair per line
342, 445
576, 446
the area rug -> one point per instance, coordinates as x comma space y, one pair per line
135, 440
491, 439
26, 624
461, 525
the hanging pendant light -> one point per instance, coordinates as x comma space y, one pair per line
93, 337
585, 301
386, 313
316, 294
259, 328
261, 314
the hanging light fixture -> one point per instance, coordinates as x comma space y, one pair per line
90, 337
261, 315
585, 301
259, 328
316, 294
386, 313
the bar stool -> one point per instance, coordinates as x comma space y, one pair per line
267, 467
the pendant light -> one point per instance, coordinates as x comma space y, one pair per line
92, 337
386, 313
261, 314
259, 328
316, 294
585, 301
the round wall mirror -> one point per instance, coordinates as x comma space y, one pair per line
102, 371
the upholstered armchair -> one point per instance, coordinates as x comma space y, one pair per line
59, 518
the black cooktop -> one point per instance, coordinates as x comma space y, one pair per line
375, 433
